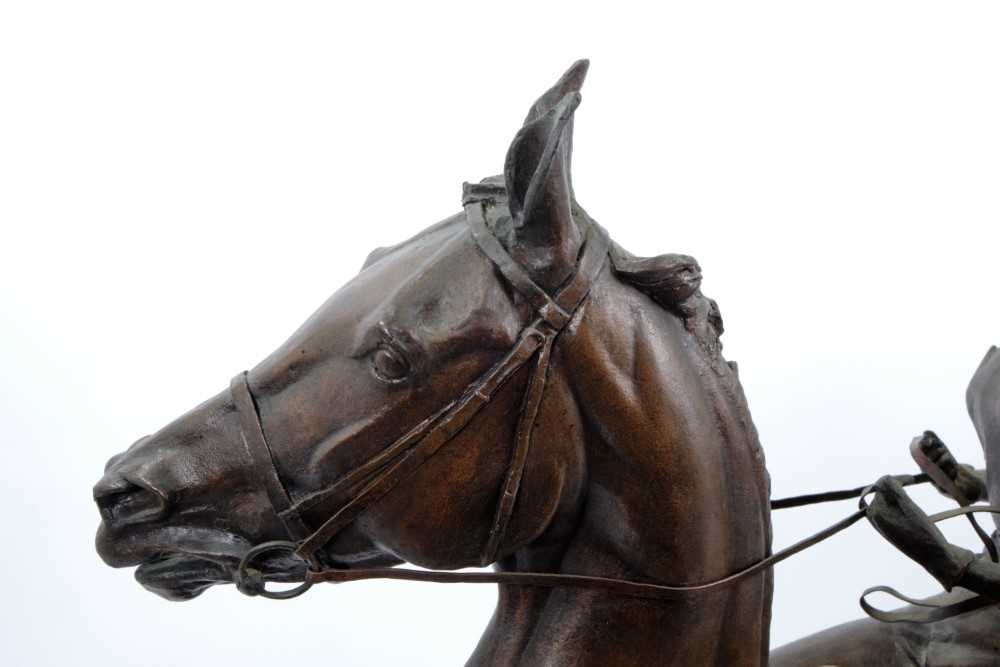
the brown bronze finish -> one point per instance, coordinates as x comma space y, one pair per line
392, 464
553, 406
508, 387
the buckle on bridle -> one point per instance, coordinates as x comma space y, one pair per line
251, 581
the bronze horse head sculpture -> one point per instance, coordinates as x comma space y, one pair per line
617, 443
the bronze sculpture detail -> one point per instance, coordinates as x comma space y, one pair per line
509, 387
637, 463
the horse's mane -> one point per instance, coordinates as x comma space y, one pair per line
674, 282
671, 280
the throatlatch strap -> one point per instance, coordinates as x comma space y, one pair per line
260, 453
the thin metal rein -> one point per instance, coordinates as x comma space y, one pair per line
621, 586
931, 612
482, 392
967, 510
847, 494
355, 476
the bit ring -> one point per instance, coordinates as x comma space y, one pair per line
250, 581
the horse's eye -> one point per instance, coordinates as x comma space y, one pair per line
389, 364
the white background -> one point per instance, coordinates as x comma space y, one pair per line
182, 183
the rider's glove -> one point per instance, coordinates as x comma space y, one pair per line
903, 523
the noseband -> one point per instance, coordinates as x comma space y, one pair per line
379, 475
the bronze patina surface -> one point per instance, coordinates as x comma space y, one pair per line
507, 387
511, 388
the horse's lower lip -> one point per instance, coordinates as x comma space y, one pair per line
180, 576
112, 552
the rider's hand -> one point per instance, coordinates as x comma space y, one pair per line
969, 482
969, 487
903, 523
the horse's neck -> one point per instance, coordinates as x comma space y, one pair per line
674, 492
555, 627
676, 488
560, 627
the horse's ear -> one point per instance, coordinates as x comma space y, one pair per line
539, 191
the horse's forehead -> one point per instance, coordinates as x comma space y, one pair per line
433, 283
438, 287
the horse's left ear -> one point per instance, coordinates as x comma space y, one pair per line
539, 190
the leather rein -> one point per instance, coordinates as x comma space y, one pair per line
365, 485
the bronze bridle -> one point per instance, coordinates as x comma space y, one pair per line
383, 472
365, 485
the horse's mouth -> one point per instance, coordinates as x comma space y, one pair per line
180, 576
181, 562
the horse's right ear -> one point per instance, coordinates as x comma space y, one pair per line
537, 176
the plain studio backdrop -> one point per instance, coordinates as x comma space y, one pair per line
181, 184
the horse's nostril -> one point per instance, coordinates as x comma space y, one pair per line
122, 502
